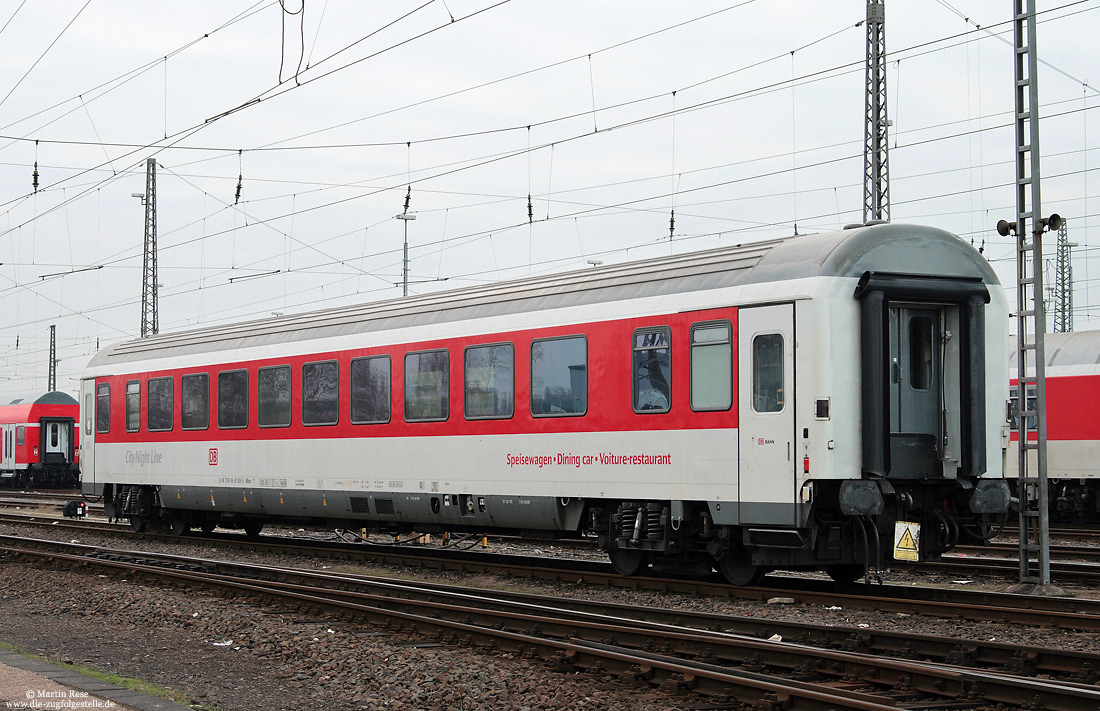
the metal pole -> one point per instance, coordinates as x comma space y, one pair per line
876, 146
405, 217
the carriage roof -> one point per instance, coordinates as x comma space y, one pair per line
843, 253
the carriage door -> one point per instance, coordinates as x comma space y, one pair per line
88, 404
766, 387
916, 390
7, 456
56, 442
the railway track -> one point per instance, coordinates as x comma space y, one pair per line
714, 655
956, 604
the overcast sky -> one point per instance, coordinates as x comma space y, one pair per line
745, 117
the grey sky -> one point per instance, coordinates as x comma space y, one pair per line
740, 152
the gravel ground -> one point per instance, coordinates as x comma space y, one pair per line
242, 656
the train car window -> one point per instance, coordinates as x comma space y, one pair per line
273, 396
1014, 408
20, 435
133, 406
767, 373
370, 390
559, 377
490, 382
195, 401
103, 408
233, 399
427, 386
160, 402
321, 393
88, 414
54, 434
652, 370
920, 353
711, 366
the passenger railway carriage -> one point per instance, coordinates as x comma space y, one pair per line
39, 442
1073, 425
822, 402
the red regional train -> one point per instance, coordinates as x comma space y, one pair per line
828, 401
1073, 429
40, 442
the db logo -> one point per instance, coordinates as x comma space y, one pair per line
213, 457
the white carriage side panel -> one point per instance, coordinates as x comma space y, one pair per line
996, 383
827, 357
680, 464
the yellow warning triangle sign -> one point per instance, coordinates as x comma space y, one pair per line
907, 542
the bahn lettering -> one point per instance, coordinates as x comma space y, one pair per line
563, 459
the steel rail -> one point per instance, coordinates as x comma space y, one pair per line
585, 628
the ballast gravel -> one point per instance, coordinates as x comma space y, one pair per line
244, 655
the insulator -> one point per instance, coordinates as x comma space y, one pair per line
530, 210
408, 197
34, 177
671, 223
237, 197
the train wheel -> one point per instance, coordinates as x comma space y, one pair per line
180, 524
739, 570
626, 561
253, 528
138, 524
847, 573
208, 525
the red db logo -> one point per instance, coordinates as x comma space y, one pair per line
213, 457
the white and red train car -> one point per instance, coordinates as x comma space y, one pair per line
40, 445
816, 402
1073, 427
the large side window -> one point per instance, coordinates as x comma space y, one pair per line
652, 370
133, 406
767, 373
370, 390
559, 377
426, 386
273, 392
20, 435
233, 399
321, 393
103, 407
160, 401
490, 381
1014, 405
195, 401
711, 366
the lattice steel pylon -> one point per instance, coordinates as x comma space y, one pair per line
1063, 282
51, 379
1032, 489
876, 146
150, 317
